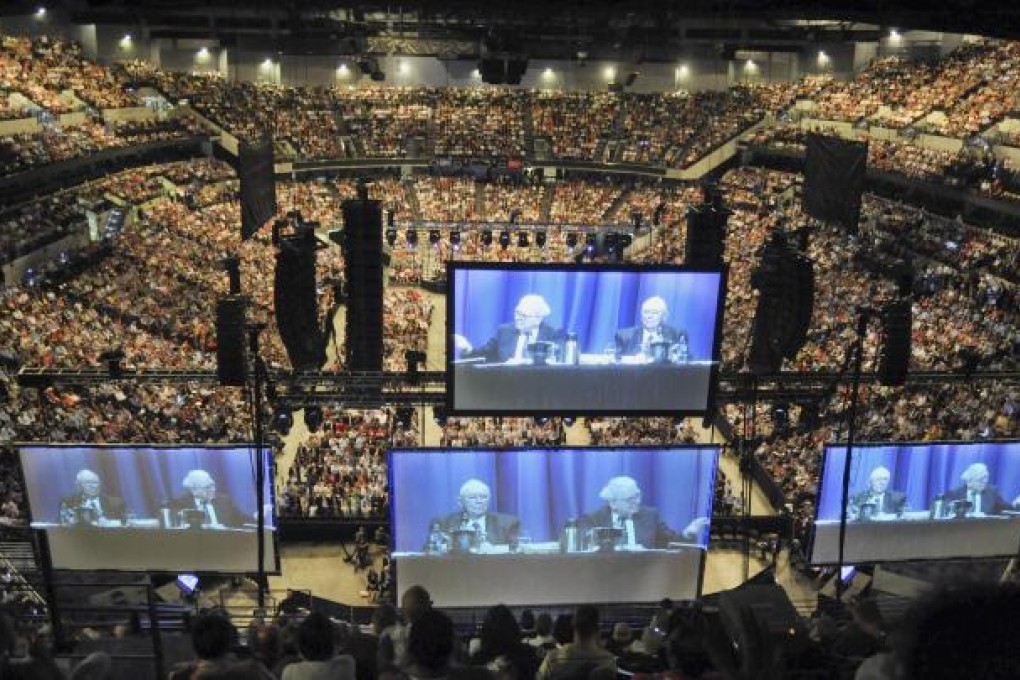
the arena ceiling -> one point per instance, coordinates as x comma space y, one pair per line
639, 29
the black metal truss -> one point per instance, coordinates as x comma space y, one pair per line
371, 389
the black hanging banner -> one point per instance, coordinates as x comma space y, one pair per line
834, 179
258, 185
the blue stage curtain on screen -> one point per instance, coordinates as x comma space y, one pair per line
922, 471
546, 487
593, 304
144, 477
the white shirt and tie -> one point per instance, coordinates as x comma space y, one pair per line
975, 502
648, 337
93, 504
209, 510
629, 538
477, 525
523, 340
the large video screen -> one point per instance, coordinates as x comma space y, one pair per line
146, 508
552, 339
920, 501
552, 525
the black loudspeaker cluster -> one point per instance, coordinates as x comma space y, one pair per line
231, 368
295, 299
785, 281
895, 358
502, 70
364, 273
706, 232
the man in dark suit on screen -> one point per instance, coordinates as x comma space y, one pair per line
637, 340
489, 528
878, 499
640, 525
200, 494
89, 505
984, 498
511, 341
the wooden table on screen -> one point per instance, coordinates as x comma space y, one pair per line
916, 539
468, 580
647, 387
157, 549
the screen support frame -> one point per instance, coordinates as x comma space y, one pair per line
857, 352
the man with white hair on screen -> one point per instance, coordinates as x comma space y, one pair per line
984, 498
878, 499
200, 494
510, 343
89, 505
638, 340
491, 528
640, 525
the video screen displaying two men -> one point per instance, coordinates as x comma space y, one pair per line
551, 500
77, 493
554, 340
467, 522
926, 493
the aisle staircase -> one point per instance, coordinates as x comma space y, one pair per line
611, 212
412, 200
529, 133
547, 198
480, 200
542, 148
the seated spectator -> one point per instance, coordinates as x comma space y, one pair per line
543, 642
212, 638
584, 657
501, 648
316, 642
622, 640
430, 646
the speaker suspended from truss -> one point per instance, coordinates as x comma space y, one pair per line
294, 294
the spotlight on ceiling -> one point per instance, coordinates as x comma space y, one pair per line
540, 239
391, 236
412, 238
434, 236
504, 239
522, 239
487, 237
571, 240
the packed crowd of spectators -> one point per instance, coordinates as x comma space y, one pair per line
481, 123
153, 291
970, 167
501, 199
500, 432
627, 431
340, 472
997, 75
956, 316
384, 119
42, 68
447, 199
574, 122
577, 202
